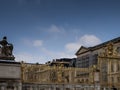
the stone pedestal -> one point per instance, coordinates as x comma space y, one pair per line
10, 75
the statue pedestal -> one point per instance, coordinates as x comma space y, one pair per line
10, 74
3, 57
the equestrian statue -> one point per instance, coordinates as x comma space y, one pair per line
6, 50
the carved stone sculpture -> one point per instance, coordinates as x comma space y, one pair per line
6, 49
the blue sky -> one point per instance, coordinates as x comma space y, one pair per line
43, 30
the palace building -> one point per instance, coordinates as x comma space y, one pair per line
88, 56
105, 58
95, 68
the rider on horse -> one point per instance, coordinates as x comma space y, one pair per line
6, 47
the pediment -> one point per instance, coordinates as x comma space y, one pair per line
81, 50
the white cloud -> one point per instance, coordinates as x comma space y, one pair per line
68, 52
55, 29
54, 54
71, 47
37, 43
86, 40
89, 40
47, 56
29, 58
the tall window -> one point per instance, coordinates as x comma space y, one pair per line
67, 88
57, 88
118, 67
118, 50
112, 67
95, 58
112, 80
118, 79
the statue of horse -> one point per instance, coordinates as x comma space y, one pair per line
6, 48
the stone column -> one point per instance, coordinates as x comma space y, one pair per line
3, 86
15, 87
31, 88
74, 88
20, 86
54, 87
62, 87
50, 87
35, 87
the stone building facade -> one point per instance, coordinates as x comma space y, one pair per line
105, 58
88, 56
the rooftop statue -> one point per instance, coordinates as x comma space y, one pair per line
6, 49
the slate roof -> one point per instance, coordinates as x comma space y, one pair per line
115, 40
